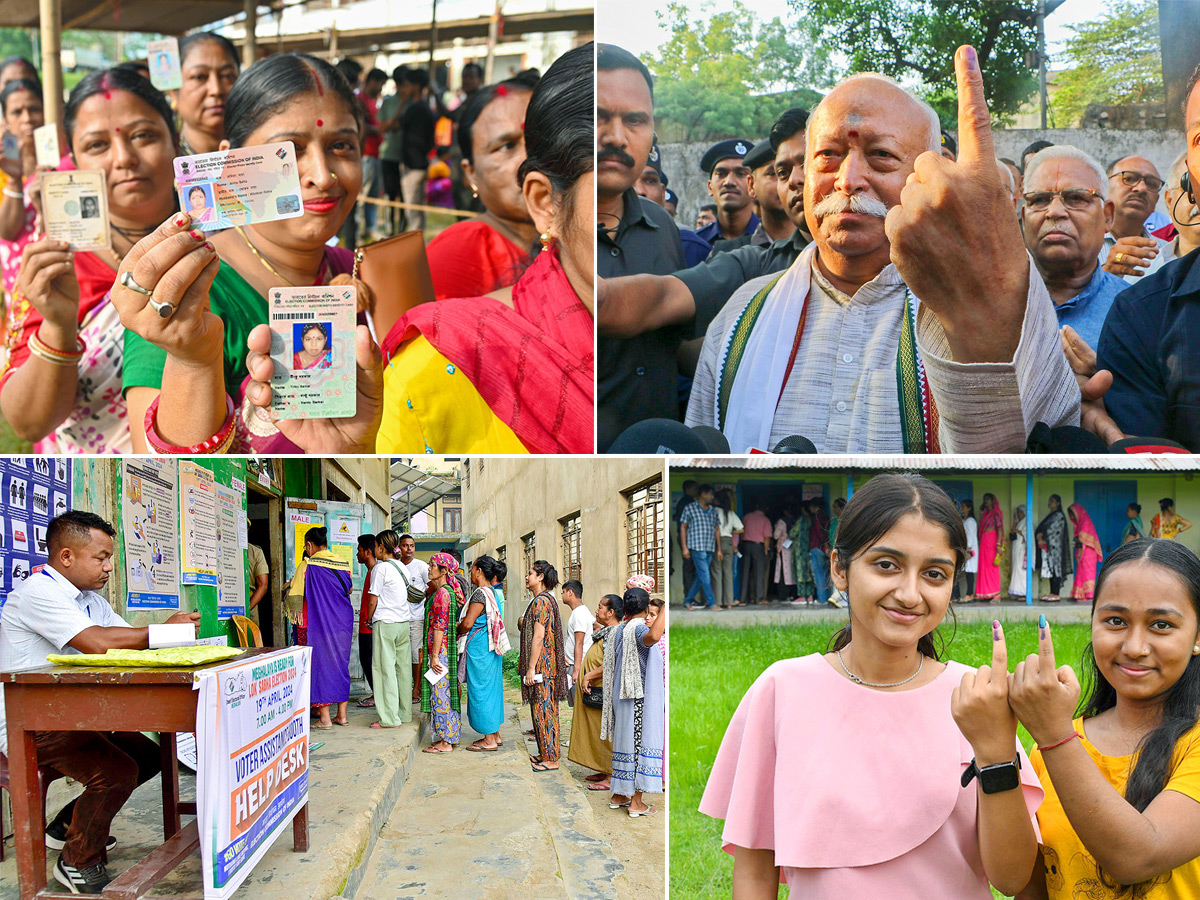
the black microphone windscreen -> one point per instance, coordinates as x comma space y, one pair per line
795, 443
713, 438
1071, 439
659, 436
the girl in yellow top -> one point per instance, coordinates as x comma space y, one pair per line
1168, 524
1121, 817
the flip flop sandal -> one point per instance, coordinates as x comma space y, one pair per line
542, 767
322, 727
648, 811
596, 777
368, 703
336, 722
432, 749
597, 786
476, 748
381, 725
624, 805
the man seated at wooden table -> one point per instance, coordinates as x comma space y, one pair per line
58, 610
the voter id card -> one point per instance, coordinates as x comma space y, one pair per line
312, 348
163, 59
45, 142
239, 187
12, 148
75, 208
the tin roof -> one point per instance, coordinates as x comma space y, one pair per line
924, 463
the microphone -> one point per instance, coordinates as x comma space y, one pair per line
713, 438
1138, 445
795, 444
668, 436
1065, 439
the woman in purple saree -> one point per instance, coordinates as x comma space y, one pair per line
330, 626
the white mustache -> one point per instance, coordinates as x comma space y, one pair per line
838, 202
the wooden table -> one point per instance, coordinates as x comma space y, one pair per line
77, 698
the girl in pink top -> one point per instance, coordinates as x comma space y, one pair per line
841, 774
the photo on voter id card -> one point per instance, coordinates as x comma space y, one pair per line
241, 186
312, 348
163, 59
75, 208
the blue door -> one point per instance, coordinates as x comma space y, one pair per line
959, 491
1105, 502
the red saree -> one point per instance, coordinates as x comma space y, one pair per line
533, 364
471, 259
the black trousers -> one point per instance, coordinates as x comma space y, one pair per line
366, 651
754, 566
391, 187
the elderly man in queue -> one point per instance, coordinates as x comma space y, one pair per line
693, 297
1066, 215
1129, 250
774, 222
953, 348
59, 610
1148, 346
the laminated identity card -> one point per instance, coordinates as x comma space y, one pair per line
12, 147
163, 59
312, 348
239, 187
75, 208
45, 142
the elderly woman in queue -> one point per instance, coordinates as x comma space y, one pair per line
587, 748
477, 256
542, 664
62, 383
440, 701
208, 63
635, 705
504, 378
23, 109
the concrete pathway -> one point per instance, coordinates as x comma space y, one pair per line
785, 614
485, 825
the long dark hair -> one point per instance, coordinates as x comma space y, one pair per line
19, 84
560, 129
203, 37
275, 83
109, 80
1181, 704
489, 566
872, 512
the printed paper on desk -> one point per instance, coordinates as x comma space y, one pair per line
239, 187
312, 349
45, 144
75, 208
162, 57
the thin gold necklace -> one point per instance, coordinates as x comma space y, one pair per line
262, 259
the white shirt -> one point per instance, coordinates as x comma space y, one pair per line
388, 585
842, 392
418, 572
972, 527
580, 620
728, 522
42, 616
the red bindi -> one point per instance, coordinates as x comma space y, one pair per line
319, 123
107, 95
118, 130
852, 133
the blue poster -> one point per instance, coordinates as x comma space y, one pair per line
34, 490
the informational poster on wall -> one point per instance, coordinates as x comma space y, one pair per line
150, 527
343, 537
34, 491
198, 512
252, 778
231, 571
300, 523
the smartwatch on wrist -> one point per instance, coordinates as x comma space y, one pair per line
995, 779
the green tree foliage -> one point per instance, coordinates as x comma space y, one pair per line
1114, 59
915, 40
730, 74
16, 42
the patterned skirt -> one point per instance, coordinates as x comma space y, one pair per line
446, 720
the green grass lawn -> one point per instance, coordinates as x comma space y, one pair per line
712, 667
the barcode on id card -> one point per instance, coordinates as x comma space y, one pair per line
292, 317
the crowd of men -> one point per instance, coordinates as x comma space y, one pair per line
862, 282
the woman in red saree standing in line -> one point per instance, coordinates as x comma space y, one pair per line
1087, 554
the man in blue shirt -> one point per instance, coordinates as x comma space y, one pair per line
699, 536
728, 183
1066, 215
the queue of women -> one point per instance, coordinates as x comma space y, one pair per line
93, 366
619, 698
884, 769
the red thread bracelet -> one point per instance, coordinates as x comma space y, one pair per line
1069, 737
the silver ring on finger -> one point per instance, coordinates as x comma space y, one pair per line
127, 281
164, 310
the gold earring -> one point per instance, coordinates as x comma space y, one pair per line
545, 238
1196, 650
333, 176
474, 192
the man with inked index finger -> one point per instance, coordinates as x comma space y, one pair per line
915, 324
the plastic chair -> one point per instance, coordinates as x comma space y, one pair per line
246, 629
46, 774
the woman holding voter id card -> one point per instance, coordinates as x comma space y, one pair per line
189, 299
61, 385
21, 104
474, 374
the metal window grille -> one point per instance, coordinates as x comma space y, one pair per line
572, 563
645, 540
451, 520
529, 548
